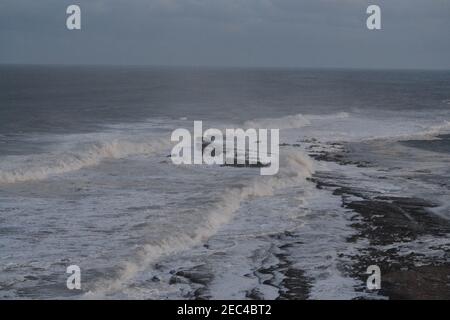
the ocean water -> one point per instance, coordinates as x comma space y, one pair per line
85, 178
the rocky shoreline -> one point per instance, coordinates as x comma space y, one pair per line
388, 225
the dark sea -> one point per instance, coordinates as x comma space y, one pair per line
85, 178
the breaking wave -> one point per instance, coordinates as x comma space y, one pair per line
295, 167
413, 131
292, 121
437, 129
59, 163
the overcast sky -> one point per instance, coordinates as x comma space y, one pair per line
273, 33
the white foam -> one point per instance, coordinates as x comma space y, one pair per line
294, 168
288, 122
332, 116
293, 121
59, 163
436, 129
348, 127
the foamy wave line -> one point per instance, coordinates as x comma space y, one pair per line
295, 167
332, 116
422, 133
293, 121
437, 129
288, 122
93, 155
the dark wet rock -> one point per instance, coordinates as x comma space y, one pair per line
254, 294
309, 140
388, 223
200, 276
176, 280
424, 283
201, 294
196, 276
338, 158
402, 277
336, 152
343, 191
390, 220
289, 145
294, 284
397, 220
247, 164
406, 201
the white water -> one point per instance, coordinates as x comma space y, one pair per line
295, 167
118, 202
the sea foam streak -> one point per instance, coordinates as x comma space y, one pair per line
293, 121
287, 122
76, 160
295, 167
343, 126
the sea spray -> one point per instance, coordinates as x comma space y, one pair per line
295, 168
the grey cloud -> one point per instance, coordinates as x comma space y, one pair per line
287, 33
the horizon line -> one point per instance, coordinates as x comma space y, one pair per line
356, 68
